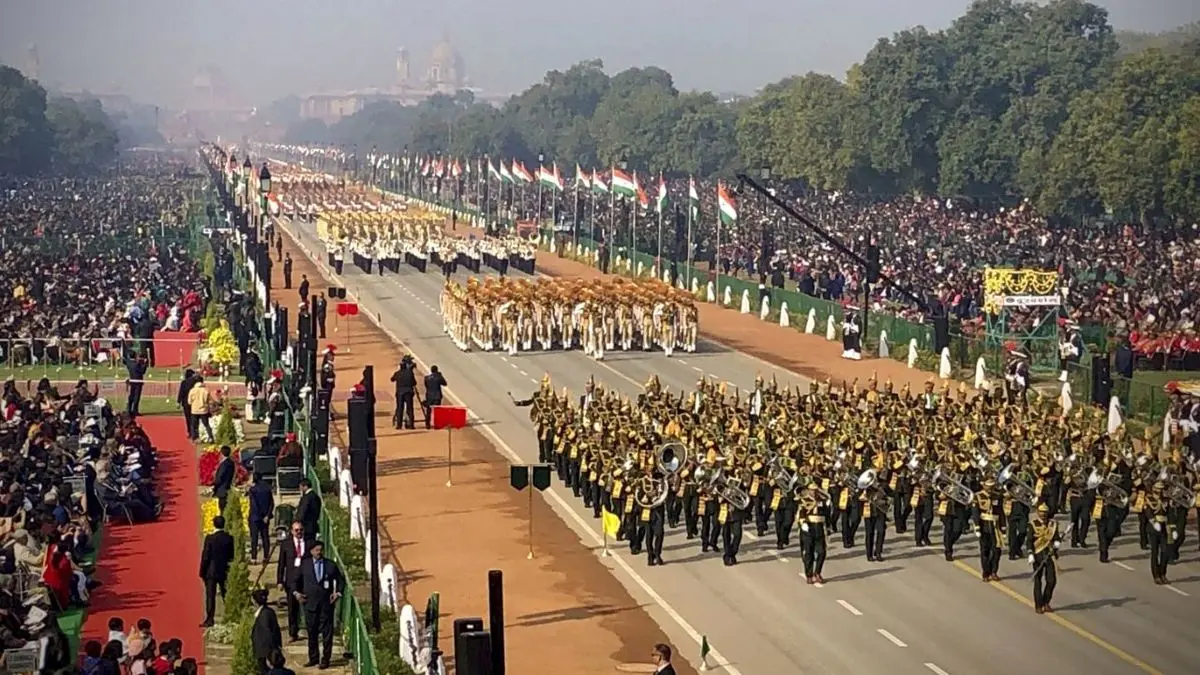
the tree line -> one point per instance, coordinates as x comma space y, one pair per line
41, 133
1014, 101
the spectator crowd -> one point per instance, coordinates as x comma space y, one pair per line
89, 264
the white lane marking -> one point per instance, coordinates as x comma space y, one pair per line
891, 638
698, 370
552, 493
934, 667
1123, 566
1177, 591
515, 366
504, 359
849, 608
683, 362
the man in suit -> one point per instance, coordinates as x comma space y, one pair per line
262, 507
434, 382
265, 637
304, 288
223, 477
215, 557
321, 584
292, 553
181, 397
308, 509
662, 660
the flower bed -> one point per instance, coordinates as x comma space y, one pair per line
211, 458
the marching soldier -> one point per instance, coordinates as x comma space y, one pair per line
1159, 532
813, 509
874, 510
988, 515
1043, 532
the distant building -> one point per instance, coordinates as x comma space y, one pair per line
445, 74
33, 64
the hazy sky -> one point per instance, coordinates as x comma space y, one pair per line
268, 48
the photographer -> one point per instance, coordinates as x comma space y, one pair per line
405, 378
434, 382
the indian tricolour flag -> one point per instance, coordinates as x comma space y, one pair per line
662, 201
521, 173
642, 197
693, 198
549, 178
726, 205
581, 179
623, 185
505, 175
493, 172
598, 185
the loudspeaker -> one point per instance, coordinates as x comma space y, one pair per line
321, 422
358, 417
472, 648
496, 620
1101, 380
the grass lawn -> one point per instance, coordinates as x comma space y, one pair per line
72, 373
1161, 377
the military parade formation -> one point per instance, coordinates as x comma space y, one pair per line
840, 458
597, 316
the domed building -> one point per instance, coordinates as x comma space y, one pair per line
447, 74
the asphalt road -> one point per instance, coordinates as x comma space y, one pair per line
912, 613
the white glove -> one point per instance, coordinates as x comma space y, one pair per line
979, 534
1057, 544
1030, 558
804, 527
1158, 527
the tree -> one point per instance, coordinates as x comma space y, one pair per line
25, 135
84, 136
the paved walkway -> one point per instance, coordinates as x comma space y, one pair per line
562, 607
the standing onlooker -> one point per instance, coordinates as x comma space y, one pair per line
662, 660
262, 507
224, 476
182, 400
321, 584
200, 403
308, 509
434, 382
265, 636
137, 376
215, 558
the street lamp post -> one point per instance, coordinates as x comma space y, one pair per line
766, 237
264, 265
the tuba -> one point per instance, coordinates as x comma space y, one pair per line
780, 476
948, 485
671, 457
731, 491
864, 481
1017, 489
651, 491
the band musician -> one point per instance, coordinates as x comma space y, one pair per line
1043, 532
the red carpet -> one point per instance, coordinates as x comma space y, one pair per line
173, 349
150, 570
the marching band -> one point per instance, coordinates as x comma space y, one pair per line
596, 315
837, 458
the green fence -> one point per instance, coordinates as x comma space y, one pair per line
350, 620
1142, 401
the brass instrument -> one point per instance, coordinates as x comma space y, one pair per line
671, 457
651, 491
1108, 487
1178, 494
1019, 490
949, 486
781, 476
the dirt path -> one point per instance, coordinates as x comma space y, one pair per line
563, 607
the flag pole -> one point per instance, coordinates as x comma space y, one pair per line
688, 256
658, 259
717, 252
